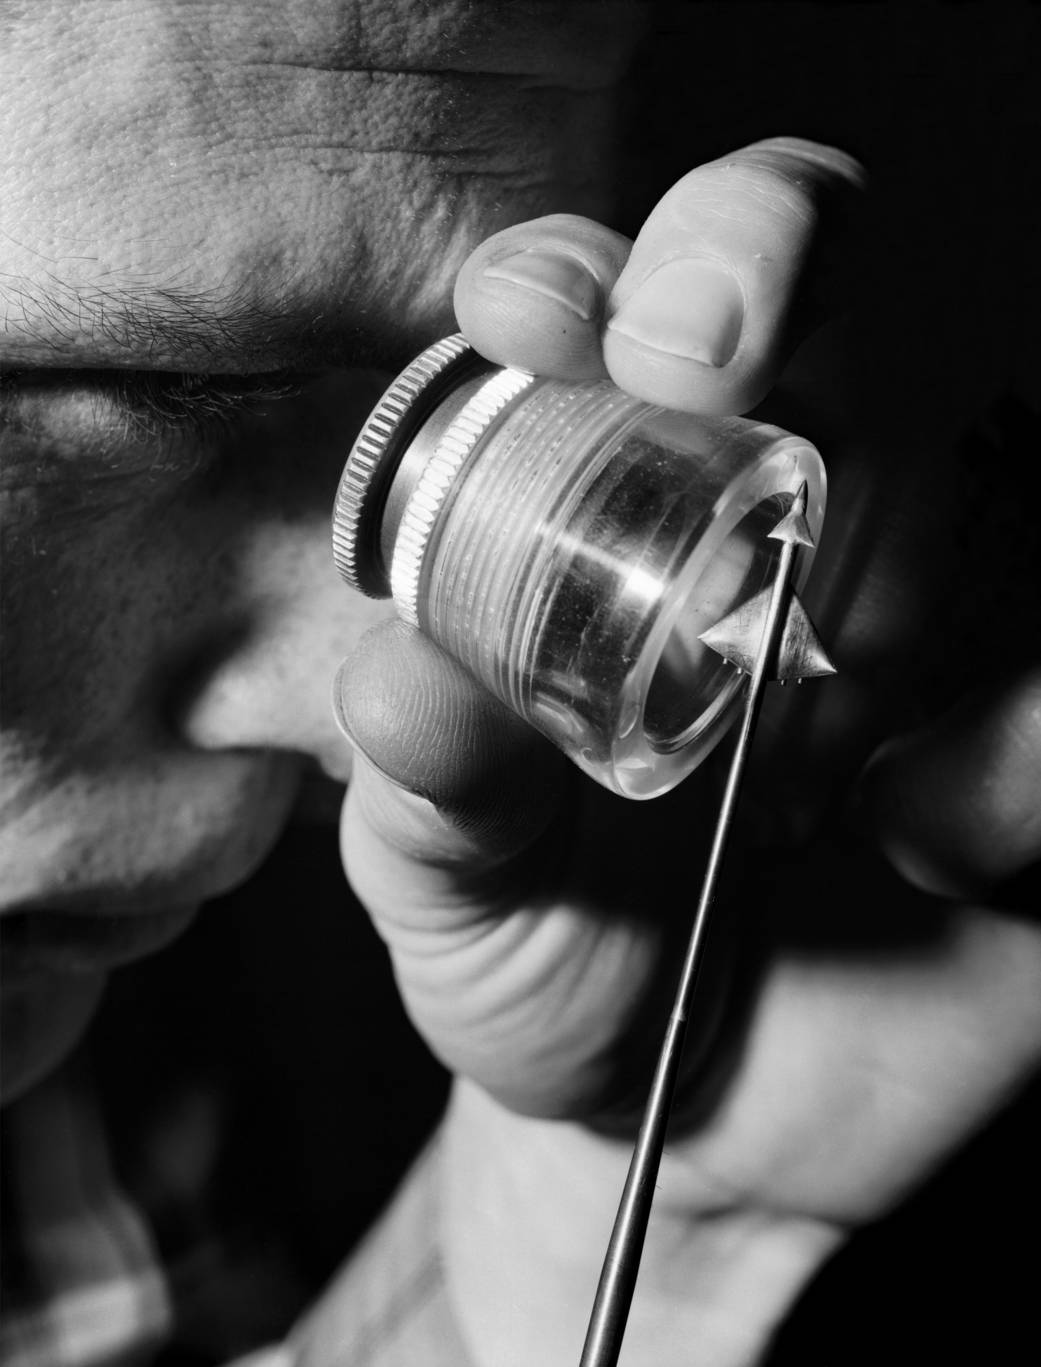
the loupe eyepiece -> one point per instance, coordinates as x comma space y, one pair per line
569, 544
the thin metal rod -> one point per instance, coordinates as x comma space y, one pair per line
622, 1261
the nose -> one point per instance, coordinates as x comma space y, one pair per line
276, 619
263, 680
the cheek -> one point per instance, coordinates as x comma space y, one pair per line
105, 618
95, 602
168, 652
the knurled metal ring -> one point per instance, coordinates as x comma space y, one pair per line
438, 476
377, 452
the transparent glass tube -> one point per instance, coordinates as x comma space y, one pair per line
574, 547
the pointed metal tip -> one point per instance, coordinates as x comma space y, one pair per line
793, 527
738, 638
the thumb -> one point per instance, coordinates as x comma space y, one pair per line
452, 779
441, 841
457, 839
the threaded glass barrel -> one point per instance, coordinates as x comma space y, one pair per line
582, 545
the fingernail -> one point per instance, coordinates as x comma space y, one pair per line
687, 308
553, 275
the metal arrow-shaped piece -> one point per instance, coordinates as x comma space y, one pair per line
800, 655
771, 636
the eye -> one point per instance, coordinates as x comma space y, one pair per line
153, 403
68, 425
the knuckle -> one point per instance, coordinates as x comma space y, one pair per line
757, 190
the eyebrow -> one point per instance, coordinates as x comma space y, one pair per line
142, 324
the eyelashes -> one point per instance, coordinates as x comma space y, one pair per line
153, 403
157, 403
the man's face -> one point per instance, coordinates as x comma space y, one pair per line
217, 221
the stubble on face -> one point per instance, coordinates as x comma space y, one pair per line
231, 187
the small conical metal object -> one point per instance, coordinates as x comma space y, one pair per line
738, 635
756, 639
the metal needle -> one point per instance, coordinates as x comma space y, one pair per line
787, 647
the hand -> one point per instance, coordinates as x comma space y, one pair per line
533, 918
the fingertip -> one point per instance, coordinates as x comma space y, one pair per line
692, 332
956, 807
675, 339
713, 296
400, 701
424, 724
533, 296
501, 322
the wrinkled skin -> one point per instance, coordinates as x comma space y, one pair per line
216, 191
253, 190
